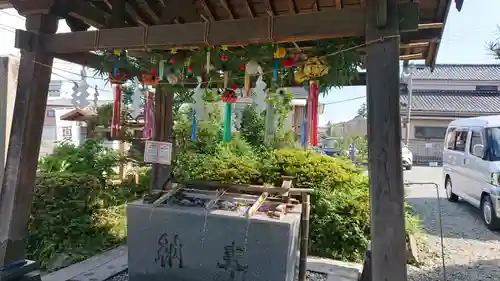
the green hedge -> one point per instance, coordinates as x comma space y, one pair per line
340, 221
75, 216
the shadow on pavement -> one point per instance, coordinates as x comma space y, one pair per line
483, 270
460, 220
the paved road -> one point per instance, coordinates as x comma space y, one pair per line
472, 252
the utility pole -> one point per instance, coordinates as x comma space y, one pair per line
407, 76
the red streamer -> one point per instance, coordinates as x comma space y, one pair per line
117, 106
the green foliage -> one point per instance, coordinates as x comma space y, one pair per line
75, 215
90, 158
77, 212
362, 111
252, 126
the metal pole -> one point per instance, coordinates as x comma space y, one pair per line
408, 113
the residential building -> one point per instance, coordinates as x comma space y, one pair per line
449, 92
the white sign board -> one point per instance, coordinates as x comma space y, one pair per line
158, 152
428, 145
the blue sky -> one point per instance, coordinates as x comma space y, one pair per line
465, 39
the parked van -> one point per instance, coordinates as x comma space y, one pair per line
471, 165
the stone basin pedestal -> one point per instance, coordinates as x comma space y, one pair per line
171, 242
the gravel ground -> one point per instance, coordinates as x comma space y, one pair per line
472, 252
311, 276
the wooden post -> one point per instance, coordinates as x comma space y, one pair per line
163, 131
16, 194
304, 235
384, 142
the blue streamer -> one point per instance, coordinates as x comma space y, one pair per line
275, 69
193, 128
115, 65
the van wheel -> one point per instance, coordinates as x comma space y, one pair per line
489, 215
452, 197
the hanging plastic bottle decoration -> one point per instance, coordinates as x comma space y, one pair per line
147, 131
117, 106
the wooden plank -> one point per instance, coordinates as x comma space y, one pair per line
88, 265
285, 28
16, 193
384, 142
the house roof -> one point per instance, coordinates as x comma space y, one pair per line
474, 72
454, 101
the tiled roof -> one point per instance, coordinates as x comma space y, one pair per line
454, 101
475, 72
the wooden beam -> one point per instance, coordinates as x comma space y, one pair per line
87, 13
118, 14
388, 251
338, 4
292, 7
184, 11
25, 8
148, 10
207, 10
316, 6
226, 7
16, 193
286, 28
418, 56
251, 13
270, 8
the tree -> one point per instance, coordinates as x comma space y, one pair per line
361, 111
494, 47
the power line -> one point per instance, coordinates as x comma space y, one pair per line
346, 100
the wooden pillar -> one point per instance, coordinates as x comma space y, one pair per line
163, 131
16, 193
384, 142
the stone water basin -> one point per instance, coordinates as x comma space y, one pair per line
182, 241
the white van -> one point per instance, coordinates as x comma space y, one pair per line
471, 165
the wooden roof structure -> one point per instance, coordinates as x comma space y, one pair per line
390, 29
155, 24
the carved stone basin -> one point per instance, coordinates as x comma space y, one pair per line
188, 243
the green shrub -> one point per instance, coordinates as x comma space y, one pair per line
234, 162
90, 158
340, 214
74, 215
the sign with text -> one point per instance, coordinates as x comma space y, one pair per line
158, 152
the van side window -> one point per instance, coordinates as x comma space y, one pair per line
461, 140
476, 138
450, 139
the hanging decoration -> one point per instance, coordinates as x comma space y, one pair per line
117, 54
251, 68
147, 131
259, 99
313, 68
150, 78
80, 93
198, 106
116, 119
136, 104
313, 102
